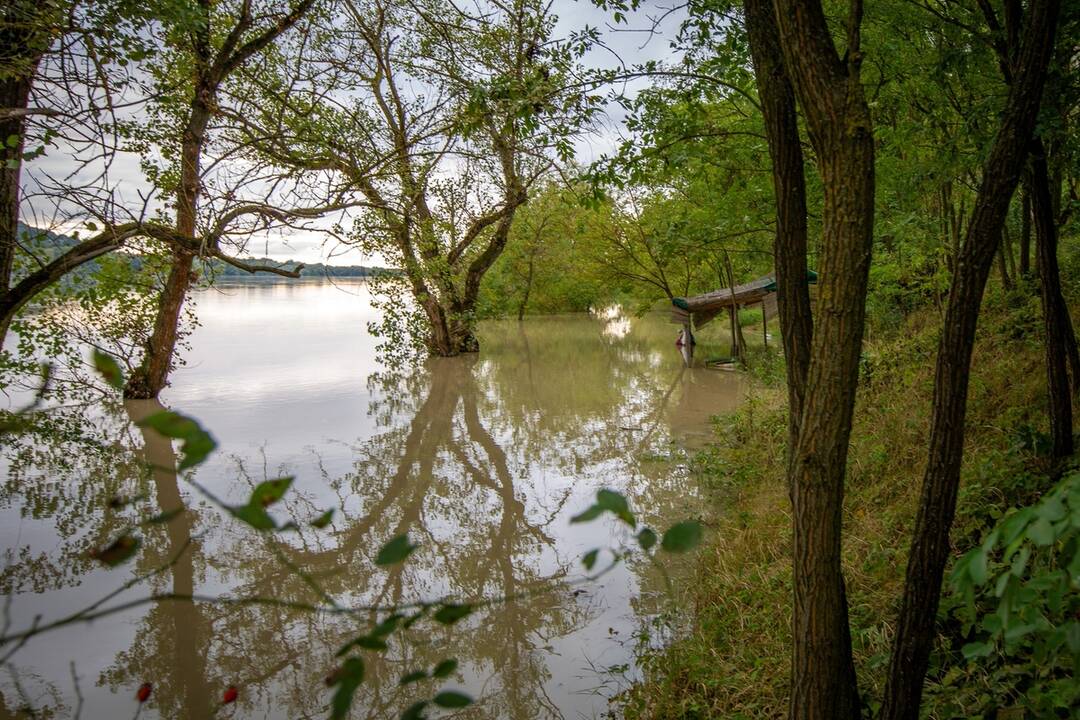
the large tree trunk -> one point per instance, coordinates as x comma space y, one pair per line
450, 334
152, 375
1056, 321
937, 503
14, 93
777, 99
23, 40
823, 684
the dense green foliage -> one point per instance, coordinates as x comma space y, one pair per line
731, 659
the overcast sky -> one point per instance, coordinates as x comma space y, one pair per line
629, 43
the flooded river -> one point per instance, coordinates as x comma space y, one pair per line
482, 460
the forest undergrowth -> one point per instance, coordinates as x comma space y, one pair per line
732, 660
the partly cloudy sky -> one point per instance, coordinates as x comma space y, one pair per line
628, 43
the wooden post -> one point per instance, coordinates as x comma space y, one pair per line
764, 325
688, 345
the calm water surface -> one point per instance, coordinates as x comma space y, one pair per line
482, 460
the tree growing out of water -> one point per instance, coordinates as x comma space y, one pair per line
210, 45
440, 121
160, 89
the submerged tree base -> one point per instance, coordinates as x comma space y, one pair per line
452, 347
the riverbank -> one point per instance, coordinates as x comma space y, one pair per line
733, 660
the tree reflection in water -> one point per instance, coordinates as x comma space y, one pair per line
481, 461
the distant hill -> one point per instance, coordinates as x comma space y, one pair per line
223, 269
51, 244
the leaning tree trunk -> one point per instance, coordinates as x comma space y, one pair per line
828, 87
1056, 321
152, 375
777, 99
24, 37
916, 626
14, 94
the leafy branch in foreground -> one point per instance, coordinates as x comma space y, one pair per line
1021, 610
679, 538
196, 444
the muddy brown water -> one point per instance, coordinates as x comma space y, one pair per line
482, 460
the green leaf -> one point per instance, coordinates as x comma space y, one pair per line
450, 614
1015, 632
118, 551
590, 513
647, 539
196, 443
395, 551
254, 515
370, 643
1002, 583
445, 668
415, 711
269, 492
1052, 509
589, 559
265, 494
682, 537
386, 627
414, 676
1019, 563
1041, 532
12, 140
109, 369
414, 618
1015, 524
977, 569
452, 699
977, 650
347, 678
1072, 637
616, 503
323, 520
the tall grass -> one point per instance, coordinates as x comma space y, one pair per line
733, 660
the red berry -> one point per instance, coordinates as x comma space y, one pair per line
143, 693
230, 695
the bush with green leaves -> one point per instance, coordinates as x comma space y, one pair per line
1021, 604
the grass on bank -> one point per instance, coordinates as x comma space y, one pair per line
733, 660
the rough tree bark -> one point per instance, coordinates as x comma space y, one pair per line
828, 87
14, 93
937, 502
777, 99
24, 37
152, 375
213, 67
